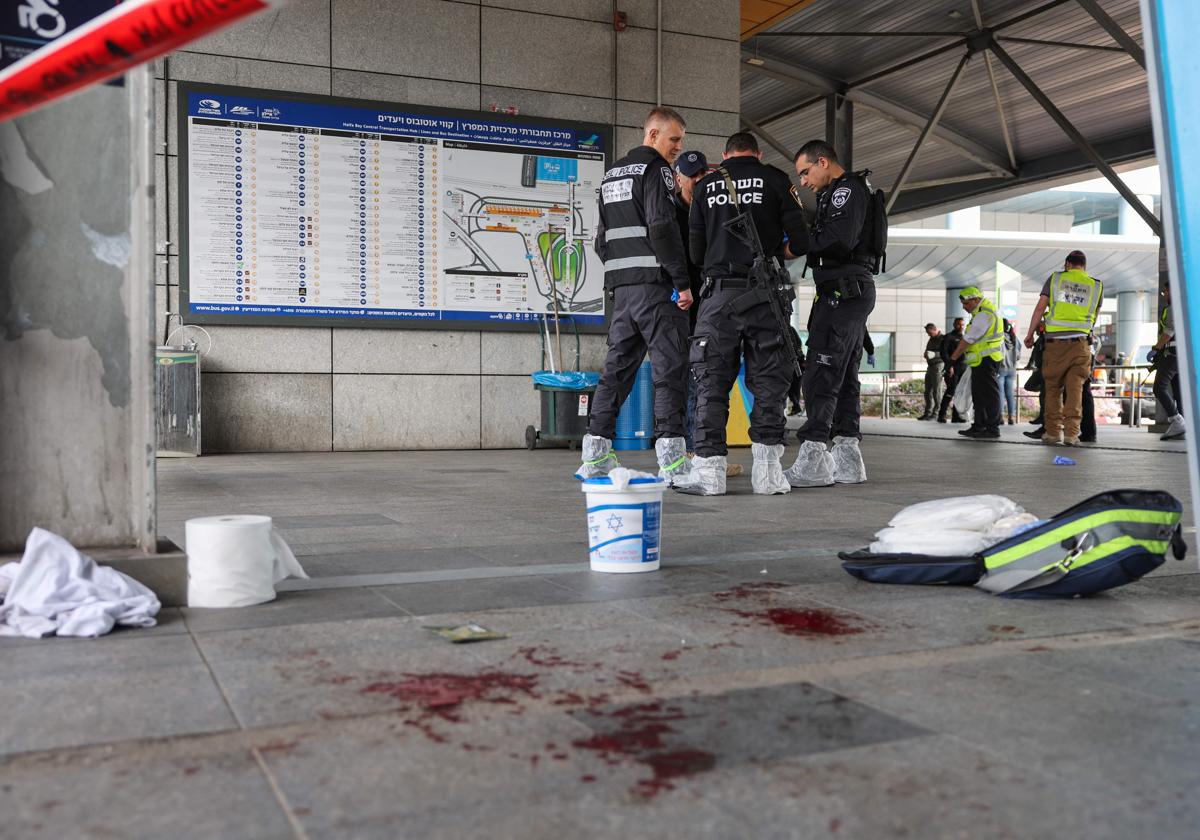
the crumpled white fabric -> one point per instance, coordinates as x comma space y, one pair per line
1010, 526
621, 476
56, 589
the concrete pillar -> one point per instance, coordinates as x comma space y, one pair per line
1133, 313
1130, 223
954, 308
77, 301
839, 128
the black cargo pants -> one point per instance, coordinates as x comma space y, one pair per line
725, 332
835, 348
644, 318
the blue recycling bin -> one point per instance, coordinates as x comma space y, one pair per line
635, 421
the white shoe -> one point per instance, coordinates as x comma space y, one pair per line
674, 465
708, 477
1176, 430
848, 466
598, 458
766, 476
813, 466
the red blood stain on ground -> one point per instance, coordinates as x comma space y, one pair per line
426, 727
799, 622
442, 693
672, 655
633, 679
587, 778
551, 659
1004, 628
573, 698
1037, 649
637, 735
788, 620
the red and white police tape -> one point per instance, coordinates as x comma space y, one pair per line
130, 34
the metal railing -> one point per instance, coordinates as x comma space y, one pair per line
1132, 388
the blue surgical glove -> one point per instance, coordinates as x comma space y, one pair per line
871, 361
1151, 355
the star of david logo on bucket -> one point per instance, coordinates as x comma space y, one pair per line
614, 522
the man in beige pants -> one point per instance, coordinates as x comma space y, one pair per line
1070, 302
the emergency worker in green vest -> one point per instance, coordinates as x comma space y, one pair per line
983, 346
1069, 303
1166, 371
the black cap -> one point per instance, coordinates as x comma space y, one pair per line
1077, 257
691, 164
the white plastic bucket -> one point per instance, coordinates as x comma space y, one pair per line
624, 524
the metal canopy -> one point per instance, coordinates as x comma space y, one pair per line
1056, 90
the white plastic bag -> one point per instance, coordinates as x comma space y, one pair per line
964, 513
1004, 528
944, 542
962, 393
235, 561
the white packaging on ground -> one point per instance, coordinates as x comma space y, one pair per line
942, 542
966, 513
56, 589
954, 527
236, 560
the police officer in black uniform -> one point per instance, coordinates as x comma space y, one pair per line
736, 318
840, 254
639, 240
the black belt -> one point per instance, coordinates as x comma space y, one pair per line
721, 283
1065, 340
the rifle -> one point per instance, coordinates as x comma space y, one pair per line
768, 275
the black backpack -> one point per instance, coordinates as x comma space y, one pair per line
875, 231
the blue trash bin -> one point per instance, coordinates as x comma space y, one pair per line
635, 421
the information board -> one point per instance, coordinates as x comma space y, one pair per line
328, 211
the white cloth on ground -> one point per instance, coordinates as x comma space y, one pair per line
56, 589
966, 513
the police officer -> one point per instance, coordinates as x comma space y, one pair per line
736, 318
1166, 366
841, 256
983, 347
638, 239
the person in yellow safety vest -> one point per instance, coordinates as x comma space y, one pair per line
1070, 302
983, 345
1166, 371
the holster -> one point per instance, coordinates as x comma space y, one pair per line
844, 287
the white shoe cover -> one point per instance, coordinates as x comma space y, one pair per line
813, 467
674, 465
848, 466
598, 458
766, 476
708, 477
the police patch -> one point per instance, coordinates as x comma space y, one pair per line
840, 196
668, 178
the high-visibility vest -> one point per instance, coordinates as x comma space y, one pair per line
1074, 302
1162, 325
992, 343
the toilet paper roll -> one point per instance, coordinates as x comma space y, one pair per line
236, 560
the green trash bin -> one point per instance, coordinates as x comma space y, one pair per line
566, 408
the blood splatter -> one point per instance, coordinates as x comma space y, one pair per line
588, 777
638, 735
672, 655
801, 622
788, 620
441, 693
633, 679
277, 746
550, 659
674, 765
1037, 649
1004, 628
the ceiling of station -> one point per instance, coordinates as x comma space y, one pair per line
789, 68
